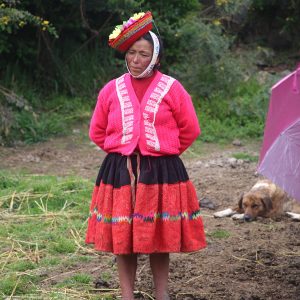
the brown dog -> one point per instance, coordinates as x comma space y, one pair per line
265, 199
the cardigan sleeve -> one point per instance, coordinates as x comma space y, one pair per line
186, 119
98, 122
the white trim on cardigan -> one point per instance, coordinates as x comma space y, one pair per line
149, 114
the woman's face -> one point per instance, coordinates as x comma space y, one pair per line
139, 56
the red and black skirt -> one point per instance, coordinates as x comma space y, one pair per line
144, 204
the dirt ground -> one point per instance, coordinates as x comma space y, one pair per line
243, 261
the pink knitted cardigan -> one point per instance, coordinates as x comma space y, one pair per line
164, 123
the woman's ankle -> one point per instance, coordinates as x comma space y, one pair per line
127, 265
162, 295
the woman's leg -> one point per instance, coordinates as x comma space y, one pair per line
159, 263
127, 265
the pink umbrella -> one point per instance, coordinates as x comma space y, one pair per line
280, 153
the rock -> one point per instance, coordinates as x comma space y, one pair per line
100, 283
199, 163
207, 203
31, 158
76, 131
237, 143
240, 162
232, 162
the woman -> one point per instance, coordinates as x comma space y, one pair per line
143, 201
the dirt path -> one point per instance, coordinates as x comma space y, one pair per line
243, 261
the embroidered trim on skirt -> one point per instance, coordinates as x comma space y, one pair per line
144, 204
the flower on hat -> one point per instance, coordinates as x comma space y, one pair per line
116, 32
119, 28
137, 16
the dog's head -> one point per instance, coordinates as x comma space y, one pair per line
255, 205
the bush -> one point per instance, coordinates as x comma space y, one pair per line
45, 119
206, 64
242, 115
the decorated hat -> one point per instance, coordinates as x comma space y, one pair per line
130, 31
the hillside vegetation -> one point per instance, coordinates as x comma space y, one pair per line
227, 53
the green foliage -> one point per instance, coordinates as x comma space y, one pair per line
231, 14
169, 16
205, 64
81, 49
271, 23
88, 72
53, 117
48, 50
14, 18
248, 102
83, 29
32, 128
241, 115
286, 22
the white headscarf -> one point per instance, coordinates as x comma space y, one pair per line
155, 54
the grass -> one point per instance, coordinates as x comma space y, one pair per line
245, 156
17, 285
42, 229
76, 280
219, 234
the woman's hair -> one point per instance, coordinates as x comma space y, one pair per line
147, 37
